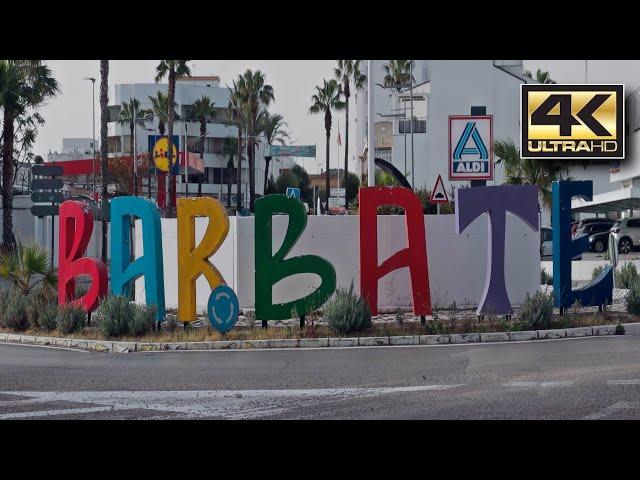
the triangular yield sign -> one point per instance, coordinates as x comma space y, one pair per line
439, 194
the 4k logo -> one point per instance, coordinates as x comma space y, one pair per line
572, 121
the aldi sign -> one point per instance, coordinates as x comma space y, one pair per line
471, 147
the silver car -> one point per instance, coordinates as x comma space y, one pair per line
627, 234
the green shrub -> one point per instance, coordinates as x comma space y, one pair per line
633, 298
347, 312
47, 318
142, 319
626, 275
537, 311
596, 271
619, 329
70, 319
14, 313
545, 278
115, 313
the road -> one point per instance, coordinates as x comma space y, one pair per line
586, 378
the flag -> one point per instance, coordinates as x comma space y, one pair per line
339, 139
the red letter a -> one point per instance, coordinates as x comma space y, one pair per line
76, 225
414, 256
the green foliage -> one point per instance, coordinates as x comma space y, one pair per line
304, 184
427, 207
626, 275
14, 310
114, 313
27, 266
351, 183
70, 319
633, 298
545, 278
287, 179
596, 271
47, 317
537, 311
347, 312
142, 320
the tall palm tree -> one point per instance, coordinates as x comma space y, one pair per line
541, 77
160, 109
327, 98
526, 171
171, 69
24, 85
254, 94
131, 115
346, 72
229, 149
397, 72
203, 111
237, 112
104, 119
272, 127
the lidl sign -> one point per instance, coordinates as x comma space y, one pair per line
471, 147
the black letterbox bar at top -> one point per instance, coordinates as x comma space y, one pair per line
46, 184
47, 170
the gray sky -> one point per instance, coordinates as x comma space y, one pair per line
69, 114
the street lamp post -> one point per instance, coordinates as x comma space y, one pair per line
93, 101
371, 167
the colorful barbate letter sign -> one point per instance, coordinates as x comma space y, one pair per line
270, 269
521, 200
76, 225
414, 256
600, 290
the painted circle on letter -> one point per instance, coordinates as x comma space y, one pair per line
223, 308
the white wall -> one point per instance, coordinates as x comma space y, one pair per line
457, 263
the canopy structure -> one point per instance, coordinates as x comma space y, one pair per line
615, 201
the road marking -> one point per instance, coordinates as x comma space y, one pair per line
229, 404
611, 409
561, 383
633, 381
49, 413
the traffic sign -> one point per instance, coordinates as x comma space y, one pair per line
48, 197
47, 170
338, 192
46, 184
336, 202
293, 192
44, 210
439, 194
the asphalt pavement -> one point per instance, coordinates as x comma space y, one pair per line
584, 378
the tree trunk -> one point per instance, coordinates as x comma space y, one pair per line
238, 179
203, 132
171, 206
104, 114
229, 178
266, 173
346, 140
8, 238
252, 169
133, 161
327, 182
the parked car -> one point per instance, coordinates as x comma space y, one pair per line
546, 243
598, 235
627, 234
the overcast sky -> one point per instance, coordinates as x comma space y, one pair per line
69, 114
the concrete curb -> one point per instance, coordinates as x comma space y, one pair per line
456, 338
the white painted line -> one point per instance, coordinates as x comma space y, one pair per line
230, 404
611, 409
54, 347
49, 413
561, 383
633, 381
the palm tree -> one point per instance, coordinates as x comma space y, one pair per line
22, 264
526, 171
24, 85
541, 77
272, 127
203, 111
104, 119
346, 72
397, 73
253, 94
327, 98
229, 149
237, 113
160, 109
131, 114
171, 69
